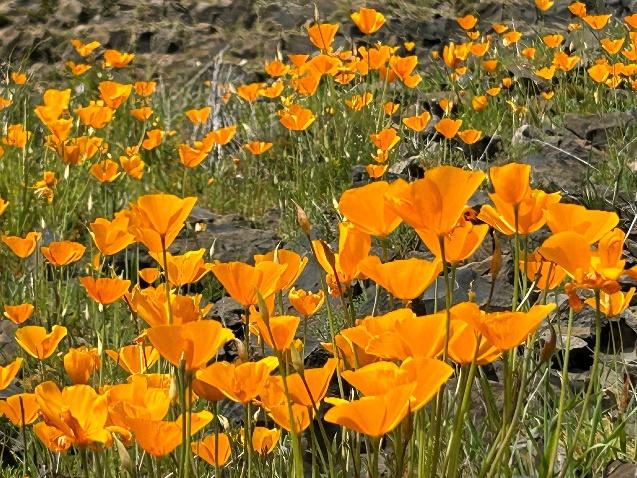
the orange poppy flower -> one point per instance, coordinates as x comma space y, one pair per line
77, 150
531, 212
301, 416
110, 237
194, 342
144, 88
18, 313
156, 219
95, 114
132, 165
81, 363
322, 35
376, 171
21, 409
276, 68
134, 358
36, 342
257, 148
264, 440
375, 379
506, 330
590, 224
63, 253
214, 449
367, 208
141, 397
463, 341
242, 281
16, 136
22, 247
419, 122
295, 265
459, 245
306, 303
511, 182
117, 59
153, 139
470, 136
296, 118
353, 247
198, 116
77, 68
278, 333
18, 77
105, 290
374, 415
437, 201
78, 413
404, 279
368, 20
546, 274
150, 305
161, 437
612, 304
467, 22
84, 49
385, 139
223, 136
241, 383
114, 94
149, 274
308, 390
358, 102
8, 372
596, 22
105, 171
578, 9
448, 127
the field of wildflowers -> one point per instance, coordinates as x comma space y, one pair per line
116, 364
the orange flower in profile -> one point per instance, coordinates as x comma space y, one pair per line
194, 342
612, 304
448, 127
374, 415
463, 342
132, 165
18, 77
36, 342
546, 275
117, 59
105, 171
241, 383
22, 247
376, 171
184, 269
77, 68
264, 440
243, 282
257, 148
114, 94
385, 139
470, 136
149, 274
404, 279
18, 313
157, 219
159, 438
250, 92
199, 116
110, 237
511, 182
153, 139
8, 372
578, 9
276, 68
467, 22
278, 333
368, 20
543, 5
596, 22
358, 102
419, 122
296, 118
306, 303
63, 253
436, 202
134, 358
95, 114
322, 35
295, 264
589, 223
85, 49
224, 135
21, 409
214, 449
80, 364
105, 290
144, 88
16, 136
